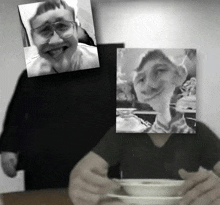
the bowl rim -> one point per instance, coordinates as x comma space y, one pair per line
146, 197
152, 182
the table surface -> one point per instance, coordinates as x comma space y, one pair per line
41, 197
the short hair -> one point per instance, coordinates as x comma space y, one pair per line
153, 55
51, 5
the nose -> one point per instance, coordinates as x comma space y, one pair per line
149, 86
149, 82
55, 38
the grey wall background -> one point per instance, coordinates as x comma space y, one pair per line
147, 23
170, 24
12, 63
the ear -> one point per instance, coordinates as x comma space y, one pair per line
77, 27
181, 74
32, 36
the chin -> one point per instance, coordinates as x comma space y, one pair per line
145, 100
64, 63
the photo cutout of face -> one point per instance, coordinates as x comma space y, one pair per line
58, 36
156, 90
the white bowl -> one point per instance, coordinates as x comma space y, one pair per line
151, 187
147, 200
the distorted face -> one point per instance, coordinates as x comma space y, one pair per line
55, 35
155, 82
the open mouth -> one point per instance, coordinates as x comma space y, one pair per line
57, 52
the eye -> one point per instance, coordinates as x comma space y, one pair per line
161, 70
140, 78
45, 31
62, 27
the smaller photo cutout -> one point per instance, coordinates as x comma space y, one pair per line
156, 90
58, 36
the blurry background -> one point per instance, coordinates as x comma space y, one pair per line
146, 23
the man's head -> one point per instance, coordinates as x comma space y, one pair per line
156, 78
54, 32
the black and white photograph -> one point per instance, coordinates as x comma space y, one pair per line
138, 126
156, 90
62, 39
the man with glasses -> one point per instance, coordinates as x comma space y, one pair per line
54, 33
52, 121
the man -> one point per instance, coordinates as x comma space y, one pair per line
150, 155
52, 121
155, 80
55, 35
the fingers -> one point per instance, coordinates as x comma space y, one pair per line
89, 181
89, 188
216, 202
93, 178
9, 163
200, 188
216, 169
192, 179
94, 183
97, 184
208, 198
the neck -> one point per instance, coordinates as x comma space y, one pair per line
164, 116
163, 110
160, 139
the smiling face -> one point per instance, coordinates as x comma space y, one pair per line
59, 47
155, 82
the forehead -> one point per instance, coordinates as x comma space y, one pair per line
52, 16
153, 64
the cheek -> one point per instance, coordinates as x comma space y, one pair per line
168, 88
137, 89
72, 41
38, 40
168, 79
71, 36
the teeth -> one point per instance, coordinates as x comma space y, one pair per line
56, 52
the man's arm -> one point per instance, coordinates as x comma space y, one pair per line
9, 137
89, 182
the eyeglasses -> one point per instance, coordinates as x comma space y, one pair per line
60, 27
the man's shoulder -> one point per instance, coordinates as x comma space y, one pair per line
90, 56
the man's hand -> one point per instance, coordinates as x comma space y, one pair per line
200, 188
89, 182
9, 162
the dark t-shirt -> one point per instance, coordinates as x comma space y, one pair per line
140, 158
